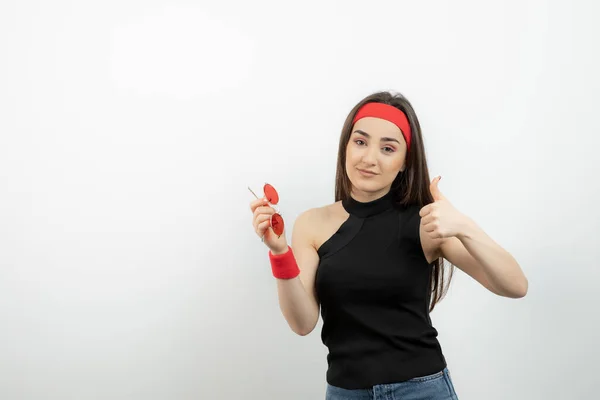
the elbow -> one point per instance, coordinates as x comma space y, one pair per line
304, 331
516, 291
520, 290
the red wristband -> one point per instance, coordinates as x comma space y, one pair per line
284, 265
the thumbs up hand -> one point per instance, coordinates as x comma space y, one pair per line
440, 219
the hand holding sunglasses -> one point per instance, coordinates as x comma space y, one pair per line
267, 220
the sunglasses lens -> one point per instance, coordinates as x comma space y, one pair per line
271, 194
277, 224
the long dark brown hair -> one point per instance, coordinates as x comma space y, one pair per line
410, 187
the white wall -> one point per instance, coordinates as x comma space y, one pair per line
130, 130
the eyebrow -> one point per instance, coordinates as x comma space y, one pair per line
383, 139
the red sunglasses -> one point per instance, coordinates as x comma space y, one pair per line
273, 198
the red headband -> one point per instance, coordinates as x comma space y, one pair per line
389, 113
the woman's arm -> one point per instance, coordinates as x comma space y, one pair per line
477, 254
297, 298
448, 233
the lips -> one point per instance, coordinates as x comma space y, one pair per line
367, 172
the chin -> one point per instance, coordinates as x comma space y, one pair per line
366, 185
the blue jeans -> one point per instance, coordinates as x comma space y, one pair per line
431, 387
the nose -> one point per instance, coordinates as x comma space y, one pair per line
370, 155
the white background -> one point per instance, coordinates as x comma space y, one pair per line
130, 130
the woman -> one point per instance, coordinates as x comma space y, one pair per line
373, 260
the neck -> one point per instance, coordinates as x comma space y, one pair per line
362, 196
376, 204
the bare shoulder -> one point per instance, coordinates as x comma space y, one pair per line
324, 222
305, 244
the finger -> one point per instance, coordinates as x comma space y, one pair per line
257, 203
435, 190
429, 228
425, 210
262, 228
264, 210
428, 219
437, 234
260, 219
434, 231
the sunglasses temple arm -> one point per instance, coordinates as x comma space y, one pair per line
252, 192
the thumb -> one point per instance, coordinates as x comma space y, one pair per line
435, 191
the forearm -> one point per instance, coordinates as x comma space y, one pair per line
297, 305
299, 309
500, 267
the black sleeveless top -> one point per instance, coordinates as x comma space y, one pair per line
373, 286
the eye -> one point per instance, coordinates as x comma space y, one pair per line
391, 149
358, 140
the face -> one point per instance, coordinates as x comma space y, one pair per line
376, 146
